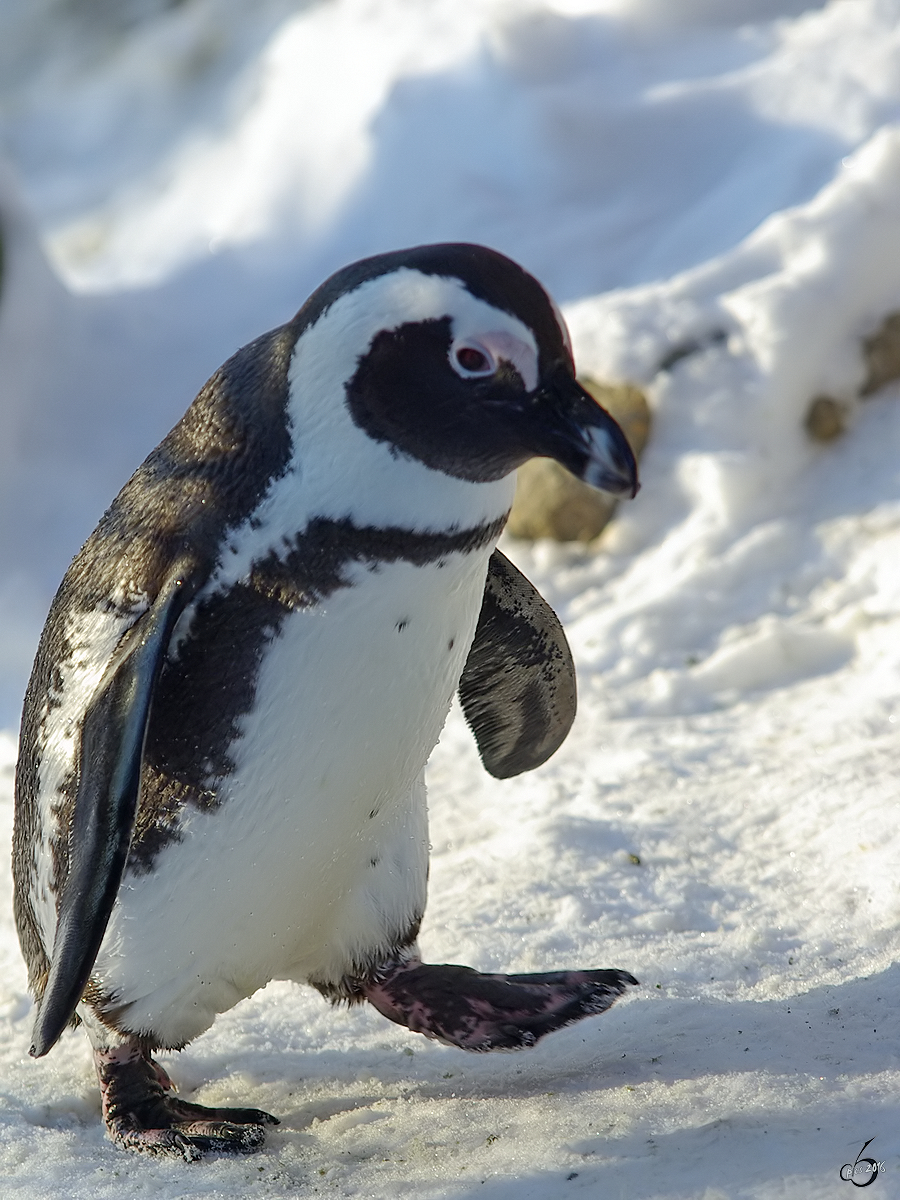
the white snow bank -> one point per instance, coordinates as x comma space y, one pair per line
544, 128
723, 819
744, 525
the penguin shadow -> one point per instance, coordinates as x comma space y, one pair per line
831, 1032
653, 1092
311, 1112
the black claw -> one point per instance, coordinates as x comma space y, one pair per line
180, 1145
142, 1114
239, 1139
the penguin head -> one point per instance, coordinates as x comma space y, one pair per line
455, 356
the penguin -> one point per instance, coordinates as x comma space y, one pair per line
246, 668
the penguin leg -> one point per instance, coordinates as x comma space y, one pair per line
462, 1007
142, 1113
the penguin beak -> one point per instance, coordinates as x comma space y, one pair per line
581, 435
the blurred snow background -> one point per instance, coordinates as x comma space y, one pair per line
712, 191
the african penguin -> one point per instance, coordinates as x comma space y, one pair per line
247, 666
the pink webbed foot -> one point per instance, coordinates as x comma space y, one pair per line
461, 1007
141, 1113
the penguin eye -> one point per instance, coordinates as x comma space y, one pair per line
472, 361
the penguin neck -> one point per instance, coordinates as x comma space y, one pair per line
343, 473
340, 473
339, 477
336, 470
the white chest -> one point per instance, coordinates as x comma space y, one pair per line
317, 853
352, 694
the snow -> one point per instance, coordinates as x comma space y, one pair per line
714, 187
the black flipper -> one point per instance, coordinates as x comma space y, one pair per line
112, 746
518, 686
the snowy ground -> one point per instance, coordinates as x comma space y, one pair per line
722, 186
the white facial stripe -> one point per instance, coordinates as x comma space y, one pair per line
407, 295
336, 469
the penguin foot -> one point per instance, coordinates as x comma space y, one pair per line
461, 1007
141, 1113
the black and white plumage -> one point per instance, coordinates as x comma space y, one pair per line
245, 669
